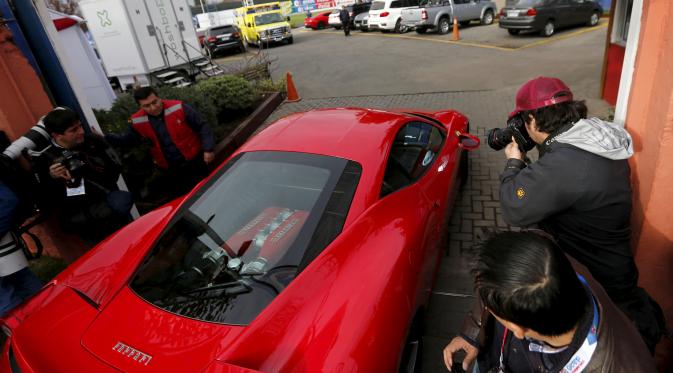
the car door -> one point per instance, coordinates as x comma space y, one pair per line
461, 9
418, 156
473, 9
582, 10
565, 13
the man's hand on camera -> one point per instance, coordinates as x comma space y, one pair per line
457, 344
512, 151
58, 171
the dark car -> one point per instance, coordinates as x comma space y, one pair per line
222, 38
358, 9
546, 16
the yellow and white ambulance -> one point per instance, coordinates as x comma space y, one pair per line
264, 23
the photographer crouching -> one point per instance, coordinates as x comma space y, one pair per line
579, 190
79, 173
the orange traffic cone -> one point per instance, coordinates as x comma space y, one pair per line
456, 34
292, 95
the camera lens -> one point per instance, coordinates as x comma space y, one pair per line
498, 138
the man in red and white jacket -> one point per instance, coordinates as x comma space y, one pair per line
181, 141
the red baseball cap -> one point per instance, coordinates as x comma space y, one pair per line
541, 92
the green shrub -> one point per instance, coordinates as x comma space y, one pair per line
269, 86
228, 92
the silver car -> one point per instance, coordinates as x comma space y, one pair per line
361, 21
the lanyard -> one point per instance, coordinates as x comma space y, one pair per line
582, 356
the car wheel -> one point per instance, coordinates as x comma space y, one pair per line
242, 48
399, 28
413, 348
421, 30
320, 26
364, 29
593, 21
513, 31
337, 27
444, 26
487, 19
548, 29
290, 40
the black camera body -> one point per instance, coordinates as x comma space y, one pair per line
498, 138
73, 161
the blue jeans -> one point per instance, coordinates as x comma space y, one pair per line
16, 288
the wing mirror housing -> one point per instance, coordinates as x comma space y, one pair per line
467, 141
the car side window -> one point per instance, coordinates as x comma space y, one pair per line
395, 4
414, 149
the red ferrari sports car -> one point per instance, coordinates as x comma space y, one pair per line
313, 248
318, 21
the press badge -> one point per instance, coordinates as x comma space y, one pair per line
77, 191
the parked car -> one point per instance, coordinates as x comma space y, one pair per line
222, 38
386, 15
437, 15
546, 16
318, 21
353, 11
304, 252
360, 22
334, 20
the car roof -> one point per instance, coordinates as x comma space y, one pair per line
357, 134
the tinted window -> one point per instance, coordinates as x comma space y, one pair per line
221, 30
244, 237
415, 148
378, 5
396, 4
523, 3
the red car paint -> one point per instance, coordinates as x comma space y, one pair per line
318, 21
350, 309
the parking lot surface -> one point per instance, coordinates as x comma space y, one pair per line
328, 64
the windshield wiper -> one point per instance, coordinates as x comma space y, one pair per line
230, 288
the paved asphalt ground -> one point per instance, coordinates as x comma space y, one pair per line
478, 76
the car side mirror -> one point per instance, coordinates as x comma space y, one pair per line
249, 25
467, 141
288, 18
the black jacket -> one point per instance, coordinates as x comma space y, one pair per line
580, 192
344, 16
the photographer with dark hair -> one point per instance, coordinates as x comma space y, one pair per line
79, 172
579, 190
181, 141
536, 314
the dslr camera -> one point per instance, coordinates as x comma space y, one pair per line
74, 163
498, 138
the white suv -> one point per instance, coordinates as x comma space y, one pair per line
386, 15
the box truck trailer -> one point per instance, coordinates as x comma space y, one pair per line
139, 40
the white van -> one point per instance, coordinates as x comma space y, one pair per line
386, 15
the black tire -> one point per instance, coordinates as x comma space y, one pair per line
464, 23
242, 48
398, 26
337, 27
513, 31
594, 19
488, 17
443, 26
413, 349
290, 40
320, 26
548, 29
421, 30
364, 29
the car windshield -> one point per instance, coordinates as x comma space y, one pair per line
523, 3
241, 239
378, 5
221, 30
268, 18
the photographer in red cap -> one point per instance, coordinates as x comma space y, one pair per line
579, 191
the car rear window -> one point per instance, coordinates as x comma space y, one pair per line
378, 5
240, 240
221, 30
523, 3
